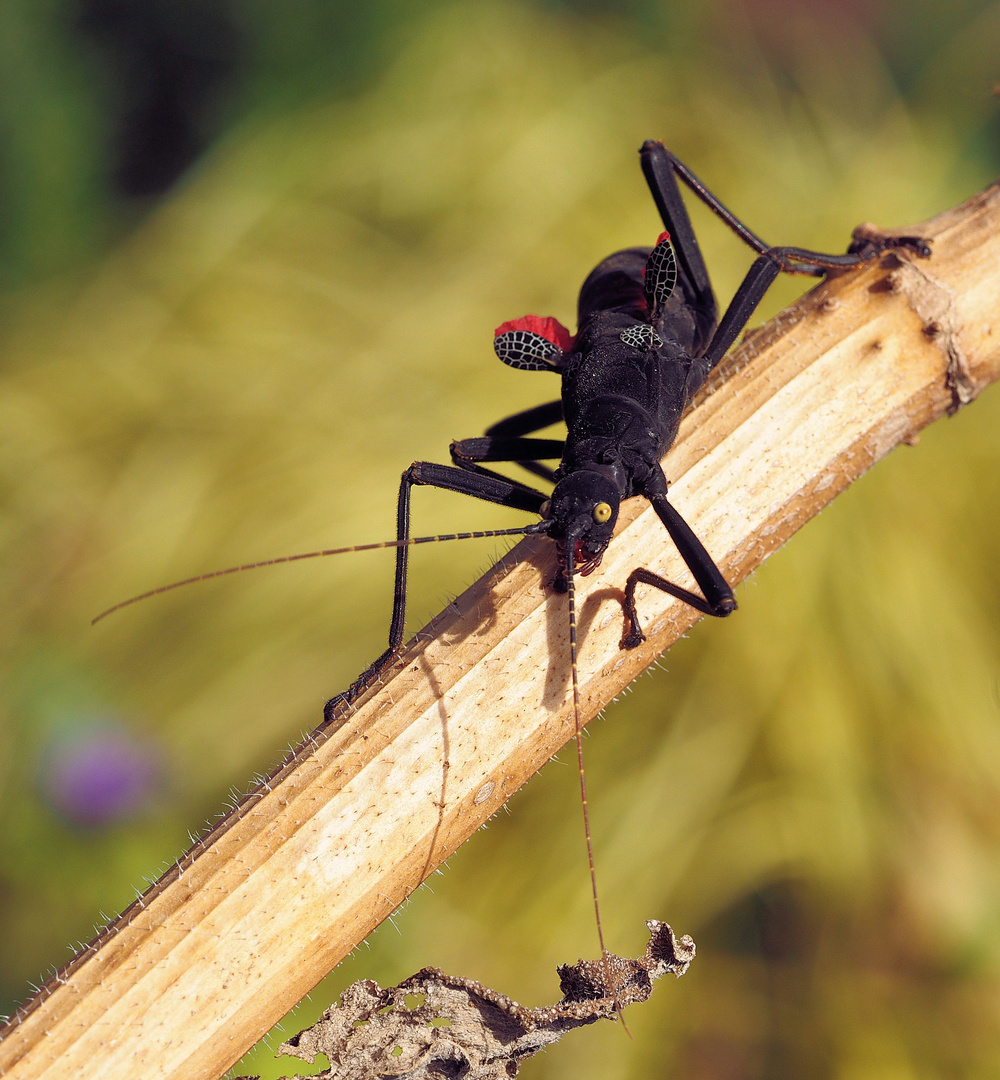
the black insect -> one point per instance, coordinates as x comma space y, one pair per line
647, 339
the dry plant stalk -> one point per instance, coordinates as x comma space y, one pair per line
196, 971
435, 1025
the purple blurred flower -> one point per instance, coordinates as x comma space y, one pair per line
98, 773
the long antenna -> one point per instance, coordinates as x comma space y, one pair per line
571, 601
578, 731
525, 530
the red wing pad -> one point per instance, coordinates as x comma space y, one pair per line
533, 343
660, 275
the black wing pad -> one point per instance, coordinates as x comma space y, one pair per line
641, 336
660, 275
533, 343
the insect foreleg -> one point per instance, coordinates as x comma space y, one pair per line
528, 453
717, 598
480, 484
533, 419
524, 423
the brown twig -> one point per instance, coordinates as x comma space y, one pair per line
193, 973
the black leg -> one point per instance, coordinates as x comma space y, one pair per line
693, 273
717, 598
504, 448
523, 423
762, 273
750, 293
525, 452
660, 171
533, 419
480, 485
659, 161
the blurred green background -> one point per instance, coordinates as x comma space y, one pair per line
252, 256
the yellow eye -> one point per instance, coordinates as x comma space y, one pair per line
602, 512
545, 509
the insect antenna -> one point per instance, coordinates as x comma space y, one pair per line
578, 733
525, 530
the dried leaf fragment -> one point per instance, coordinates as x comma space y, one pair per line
434, 1025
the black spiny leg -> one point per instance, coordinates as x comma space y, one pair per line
480, 485
867, 243
468, 453
502, 433
658, 168
717, 597
529, 420
502, 442
743, 304
662, 168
